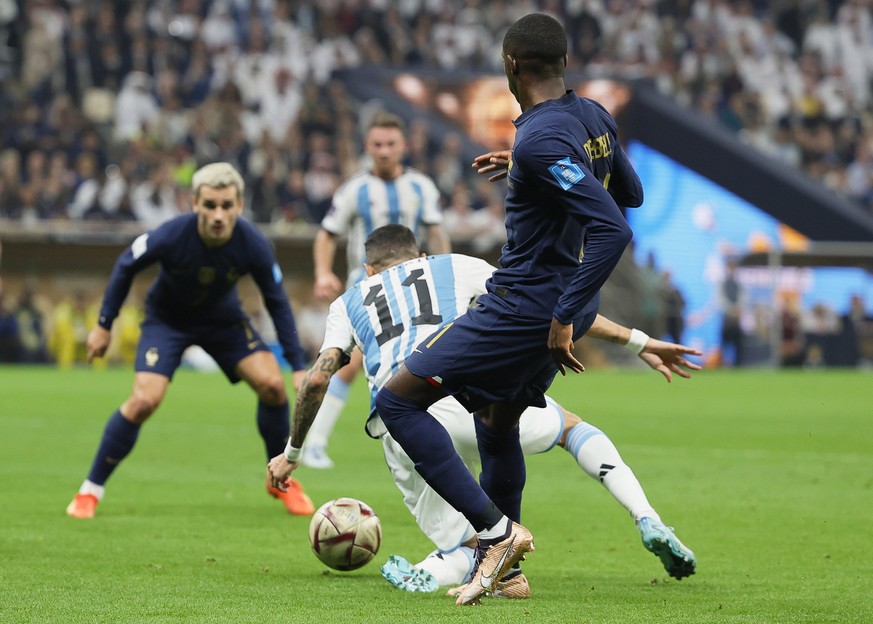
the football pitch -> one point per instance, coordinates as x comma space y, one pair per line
767, 476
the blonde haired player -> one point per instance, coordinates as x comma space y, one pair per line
194, 301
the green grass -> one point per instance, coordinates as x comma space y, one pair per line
767, 476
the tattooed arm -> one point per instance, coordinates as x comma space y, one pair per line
309, 398
312, 391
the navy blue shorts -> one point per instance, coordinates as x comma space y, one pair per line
489, 355
161, 345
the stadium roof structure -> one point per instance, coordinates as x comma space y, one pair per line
785, 193
818, 254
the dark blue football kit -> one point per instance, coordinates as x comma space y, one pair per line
565, 234
194, 298
567, 177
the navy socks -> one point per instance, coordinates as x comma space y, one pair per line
274, 425
119, 436
503, 470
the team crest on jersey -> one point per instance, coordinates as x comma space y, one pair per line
232, 275
567, 173
151, 357
206, 275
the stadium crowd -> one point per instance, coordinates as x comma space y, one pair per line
109, 107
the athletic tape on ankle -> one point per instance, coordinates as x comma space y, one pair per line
292, 453
637, 341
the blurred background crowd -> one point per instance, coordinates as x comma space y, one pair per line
108, 107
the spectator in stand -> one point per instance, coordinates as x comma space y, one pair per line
10, 340
31, 328
731, 303
154, 201
87, 186
136, 107
777, 74
674, 308
10, 182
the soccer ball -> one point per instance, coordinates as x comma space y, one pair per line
345, 533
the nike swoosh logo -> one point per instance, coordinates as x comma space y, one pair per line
488, 581
252, 345
416, 351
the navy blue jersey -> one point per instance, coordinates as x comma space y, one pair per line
196, 286
565, 230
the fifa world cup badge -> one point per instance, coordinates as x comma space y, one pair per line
151, 356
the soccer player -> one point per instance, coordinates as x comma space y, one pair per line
194, 301
567, 177
404, 298
387, 192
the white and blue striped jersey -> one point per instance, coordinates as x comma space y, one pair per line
366, 202
388, 314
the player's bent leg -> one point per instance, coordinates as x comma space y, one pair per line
599, 458
452, 562
119, 437
149, 390
261, 372
402, 405
503, 469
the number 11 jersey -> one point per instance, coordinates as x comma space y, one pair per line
388, 314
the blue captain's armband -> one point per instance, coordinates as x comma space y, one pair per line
567, 173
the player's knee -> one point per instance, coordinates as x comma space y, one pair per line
570, 421
272, 390
140, 406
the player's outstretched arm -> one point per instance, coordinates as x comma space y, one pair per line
665, 357
309, 399
493, 161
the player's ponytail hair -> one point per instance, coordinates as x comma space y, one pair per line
217, 175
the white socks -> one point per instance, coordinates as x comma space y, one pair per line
452, 568
597, 456
88, 487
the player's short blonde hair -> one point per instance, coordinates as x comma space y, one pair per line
217, 175
384, 119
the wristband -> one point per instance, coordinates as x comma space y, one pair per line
292, 453
637, 341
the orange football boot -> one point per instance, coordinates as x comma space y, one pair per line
295, 499
82, 506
